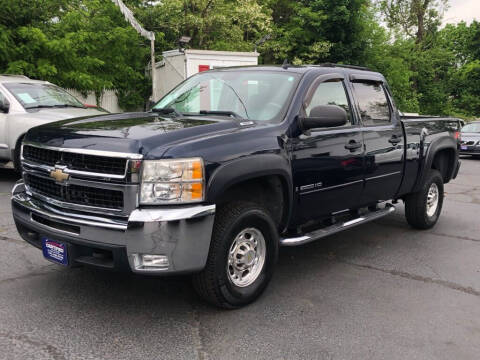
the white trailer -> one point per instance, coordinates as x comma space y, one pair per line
177, 65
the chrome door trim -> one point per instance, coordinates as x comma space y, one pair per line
332, 187
383, 175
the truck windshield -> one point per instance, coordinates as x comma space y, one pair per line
471, 128
254, 95
38, 95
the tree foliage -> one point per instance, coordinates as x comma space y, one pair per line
414, 18
87, 44
82, 44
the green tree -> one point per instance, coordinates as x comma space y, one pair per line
83, 44
317, 31
87, 44
212, 24
415, 18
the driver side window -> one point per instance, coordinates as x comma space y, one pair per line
330, 93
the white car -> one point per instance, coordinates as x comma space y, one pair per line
25, 103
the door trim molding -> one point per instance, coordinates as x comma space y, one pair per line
383, 175
332, 187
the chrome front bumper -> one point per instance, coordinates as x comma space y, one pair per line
182, 234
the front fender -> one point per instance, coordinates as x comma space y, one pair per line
247, 168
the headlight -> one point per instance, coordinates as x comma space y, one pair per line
172, 181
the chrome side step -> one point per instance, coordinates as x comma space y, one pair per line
330, 230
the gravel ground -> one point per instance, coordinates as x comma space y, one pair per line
379, 291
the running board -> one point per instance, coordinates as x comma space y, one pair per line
330, 230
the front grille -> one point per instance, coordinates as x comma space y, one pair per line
42, 156
76, 161
468, 142
76, 194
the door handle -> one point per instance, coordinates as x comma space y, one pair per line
353, 145
394, 140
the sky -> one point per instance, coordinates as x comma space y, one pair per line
466, 10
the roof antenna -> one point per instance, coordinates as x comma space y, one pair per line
285, 64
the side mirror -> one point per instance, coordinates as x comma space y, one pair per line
324, 116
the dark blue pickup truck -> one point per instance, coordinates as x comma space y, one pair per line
229, 166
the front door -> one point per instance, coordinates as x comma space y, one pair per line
384, 142
4, 150
327, 163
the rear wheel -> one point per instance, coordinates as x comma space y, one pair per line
423, 208
242, 256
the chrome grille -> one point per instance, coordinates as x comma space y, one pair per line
75, 194
76, 161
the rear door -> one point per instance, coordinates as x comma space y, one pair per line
327, 163
383, 137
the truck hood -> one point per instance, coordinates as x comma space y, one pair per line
128, 132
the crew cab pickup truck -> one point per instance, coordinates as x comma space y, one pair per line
225, 169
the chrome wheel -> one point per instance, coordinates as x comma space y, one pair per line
246, 257
432, 199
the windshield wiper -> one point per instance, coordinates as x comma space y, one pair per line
167, 111
54, 106
221, 112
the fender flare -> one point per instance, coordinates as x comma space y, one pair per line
18, 144
248, 168
426, 164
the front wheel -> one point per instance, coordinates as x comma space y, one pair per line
242, 256
423, 208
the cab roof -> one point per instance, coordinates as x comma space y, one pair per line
4, 78
302, 69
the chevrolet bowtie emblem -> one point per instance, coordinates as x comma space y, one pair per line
59, 175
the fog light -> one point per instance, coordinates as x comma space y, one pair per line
150, 262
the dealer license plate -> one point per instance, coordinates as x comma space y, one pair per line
55, 251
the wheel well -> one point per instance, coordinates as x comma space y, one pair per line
268, 191
444, 162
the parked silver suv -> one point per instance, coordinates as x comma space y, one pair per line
25, 103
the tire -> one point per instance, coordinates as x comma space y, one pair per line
218, 283
422, 213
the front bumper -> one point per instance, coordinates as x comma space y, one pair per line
182, 234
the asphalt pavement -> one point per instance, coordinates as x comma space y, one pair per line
378, 291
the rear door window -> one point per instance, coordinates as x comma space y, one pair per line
373, 103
